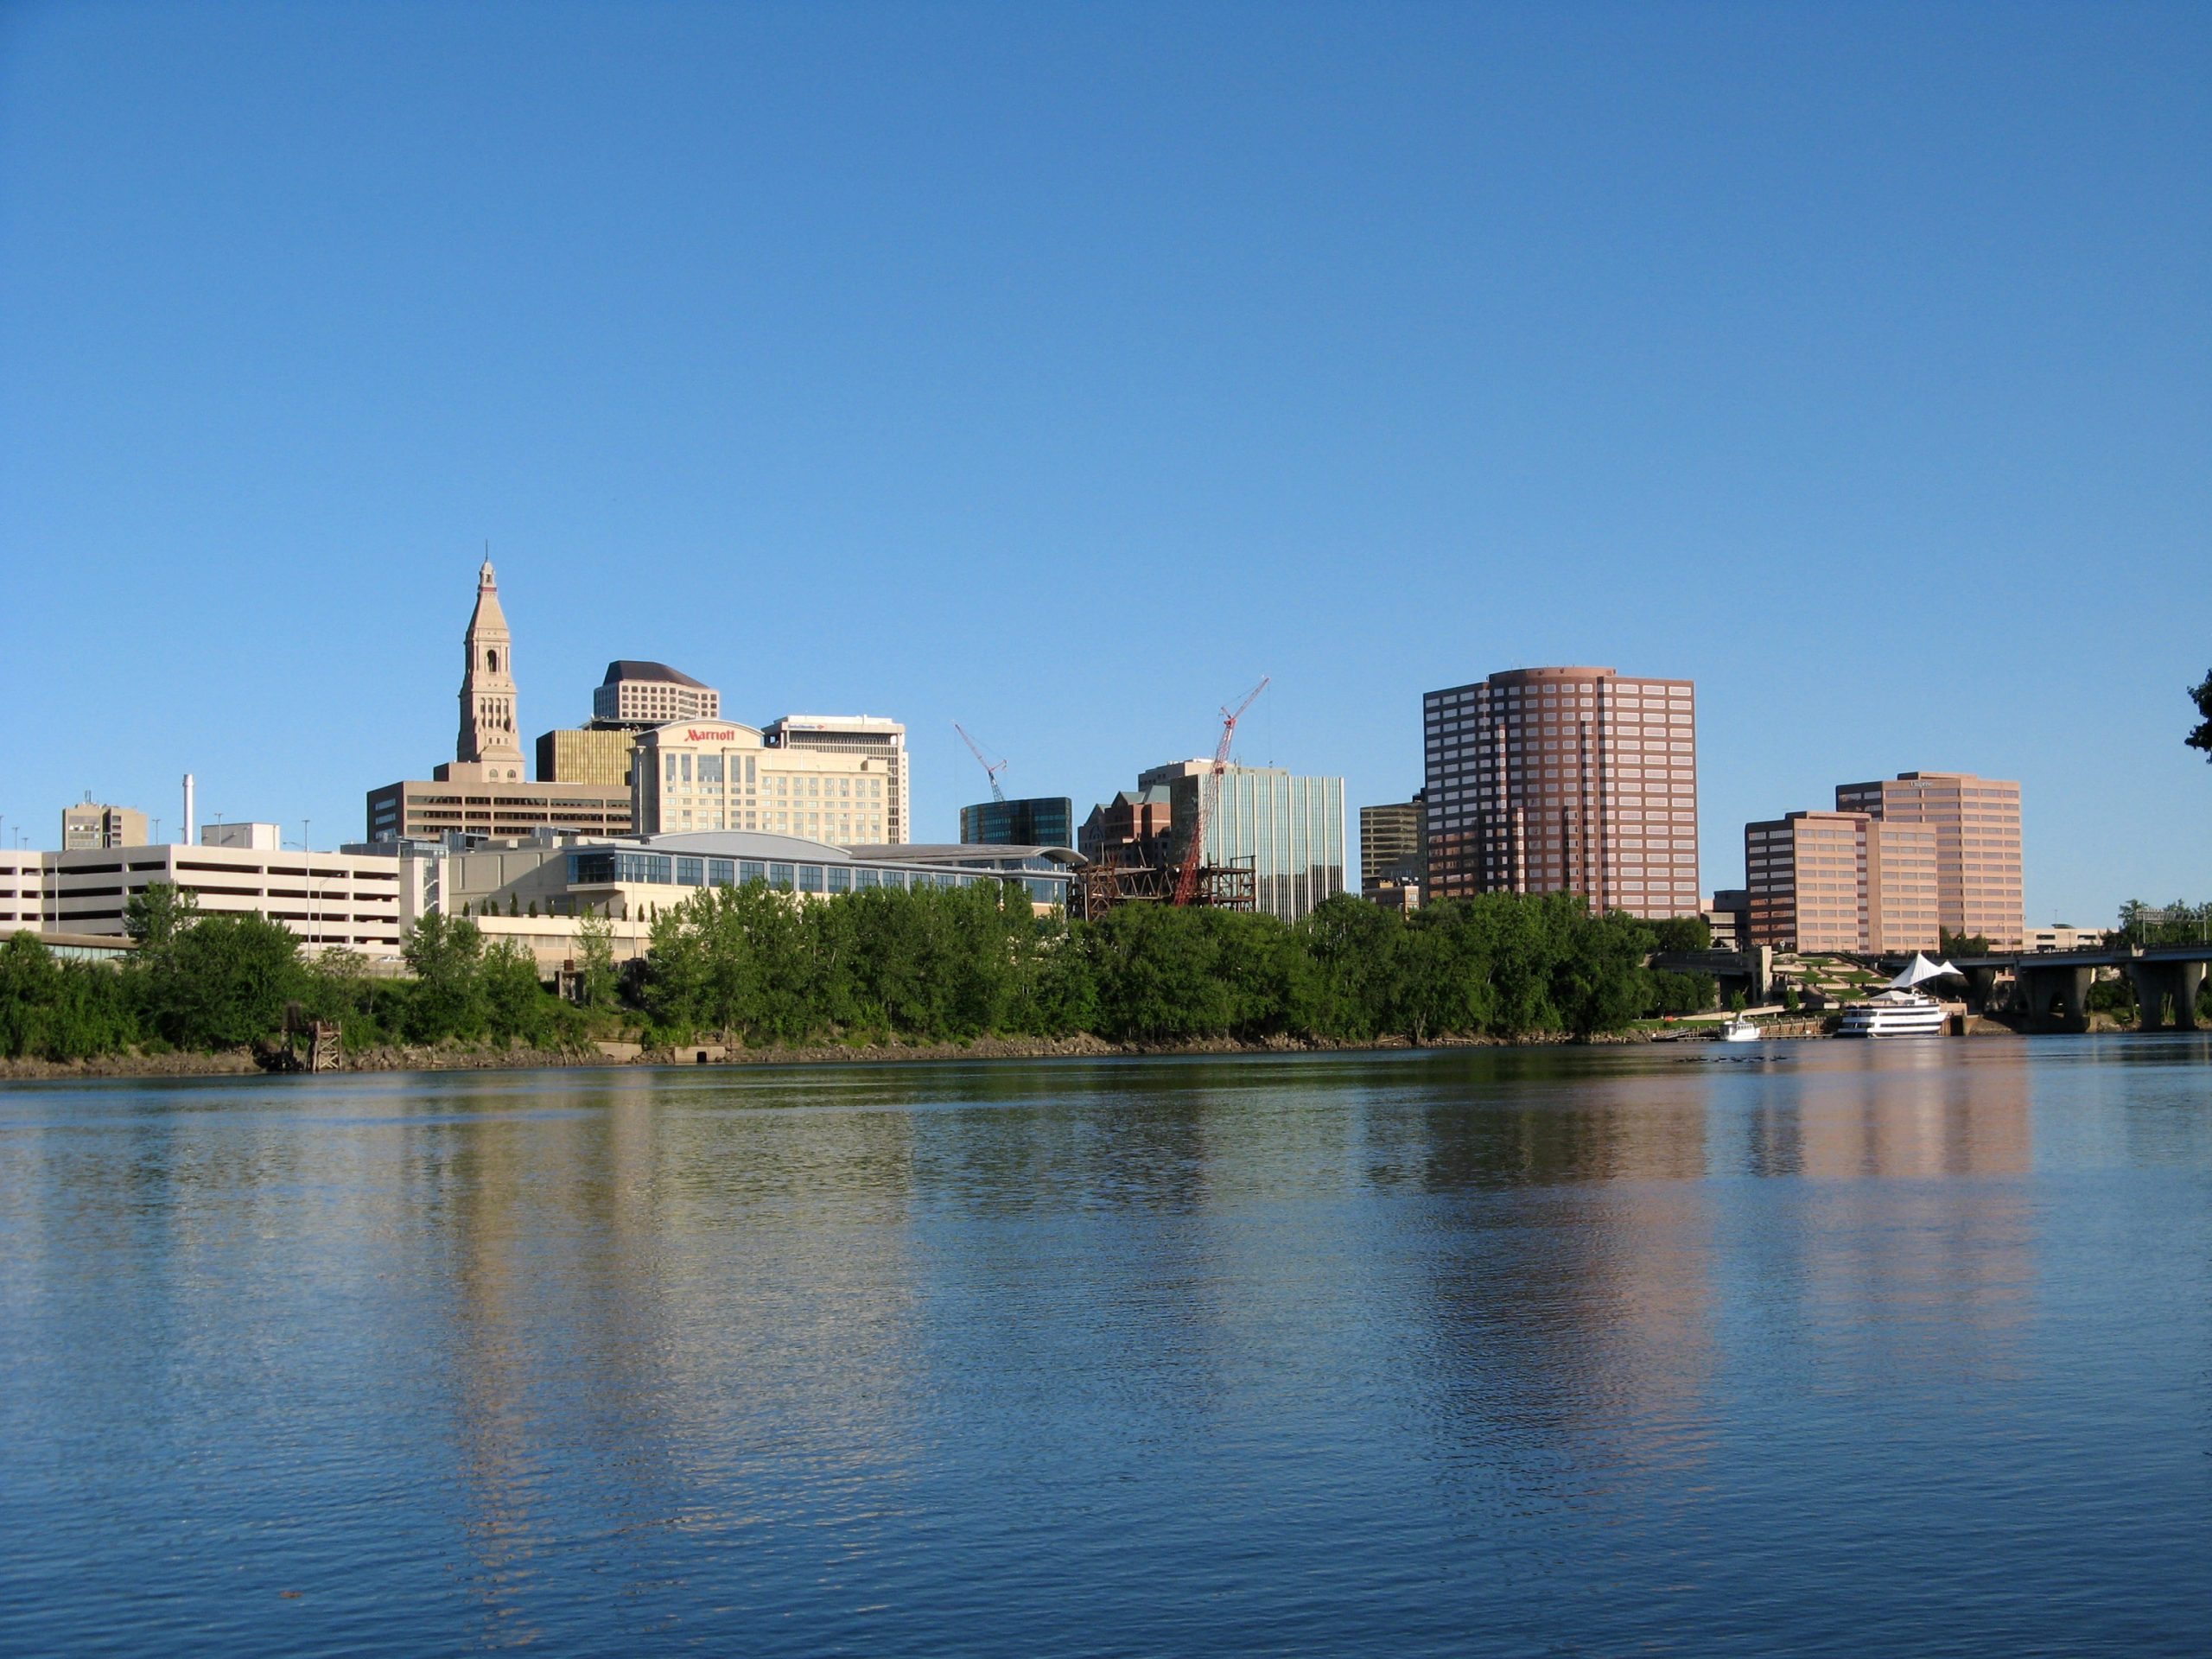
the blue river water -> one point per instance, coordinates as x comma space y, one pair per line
1815, 1348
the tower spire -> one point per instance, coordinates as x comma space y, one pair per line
488, 725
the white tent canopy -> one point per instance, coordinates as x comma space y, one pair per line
1919, 971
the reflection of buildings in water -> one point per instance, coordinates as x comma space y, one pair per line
1915, 1157
640, 1280
1915, 1109
1570, 1293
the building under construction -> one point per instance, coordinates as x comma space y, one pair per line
1107, 885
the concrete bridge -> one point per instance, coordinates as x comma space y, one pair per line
2054, 985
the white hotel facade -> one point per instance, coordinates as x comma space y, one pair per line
838, 779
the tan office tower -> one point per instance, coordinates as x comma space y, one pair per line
1390, 839
94, 825
1841, 882
587, 754
487, 751
1977, 825
1565, 780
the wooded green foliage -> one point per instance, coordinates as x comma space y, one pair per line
936, 965
950, 964
225, 982
2178, 923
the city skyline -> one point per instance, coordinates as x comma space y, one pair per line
1862, 382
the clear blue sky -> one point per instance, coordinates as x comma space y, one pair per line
1062, 370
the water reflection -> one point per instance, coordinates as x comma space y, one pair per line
621, 1357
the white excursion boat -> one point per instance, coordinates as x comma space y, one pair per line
1903, 1009
1741, 1029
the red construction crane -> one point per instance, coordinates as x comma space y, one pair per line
1186, 882
990, 771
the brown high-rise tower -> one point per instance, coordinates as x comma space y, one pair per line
1565, 780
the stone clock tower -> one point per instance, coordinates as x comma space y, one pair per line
489, 750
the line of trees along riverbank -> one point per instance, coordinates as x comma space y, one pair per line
930, 966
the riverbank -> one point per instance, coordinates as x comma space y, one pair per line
242, 1062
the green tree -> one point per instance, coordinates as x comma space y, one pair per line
2178, 922
733, 960
222, 983
1446, 984
338, 986
515, 1008
1682, 933
597, 982
2200, 693
445, 953
53, 1010
1156, 979
1357, 949
1600, 980
1678, 994
156, 914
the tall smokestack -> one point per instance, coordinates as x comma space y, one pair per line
189, 839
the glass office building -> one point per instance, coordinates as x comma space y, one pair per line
1040, 820
1288, 829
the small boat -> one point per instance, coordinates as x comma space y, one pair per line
1902, 1010
1739, 1029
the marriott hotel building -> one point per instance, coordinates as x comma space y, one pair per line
1565, 780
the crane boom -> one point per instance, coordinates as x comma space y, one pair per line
989, 771
1186, 880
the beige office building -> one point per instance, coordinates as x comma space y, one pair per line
1565, 780
1977, 826
694, 776
855, 737
1840, 882
327, 899
92, 825
425, 809
641, 694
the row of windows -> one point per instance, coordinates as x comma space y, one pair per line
1618, 692
684, 870
1470, 721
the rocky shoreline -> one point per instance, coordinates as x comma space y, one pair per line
241, 1062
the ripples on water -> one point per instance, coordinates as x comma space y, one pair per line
1837, 1350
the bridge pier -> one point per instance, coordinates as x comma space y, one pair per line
1981, 989
2057, 996
2155, 982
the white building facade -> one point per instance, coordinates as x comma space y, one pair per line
329, 899
690, 776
